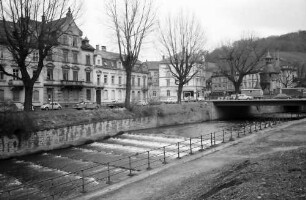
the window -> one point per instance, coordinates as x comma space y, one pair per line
168, 93
16, 96
120, 80
138, 95
65, 74
15, 73
105, 79
34, 72
154, 93
99, 61
119, 95
75, 75
35, 95
87, 76
1, 95
105, 94
113, 80
66, 95
168, 74
138, 81
133, 80
49, 74
88, 94
144, 81
1, 53
98, 79
168, 82
65, 55
65, 39
113, 94
1, 75
75, 42
76, 94
49, 56
35, 56
75, 57
87, 59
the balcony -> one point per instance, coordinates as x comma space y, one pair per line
72, 84
16, 84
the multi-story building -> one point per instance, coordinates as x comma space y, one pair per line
153, 80
110, 78
74, 71
192, 90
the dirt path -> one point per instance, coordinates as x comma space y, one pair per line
267, 165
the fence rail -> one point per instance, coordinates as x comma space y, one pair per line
114, 171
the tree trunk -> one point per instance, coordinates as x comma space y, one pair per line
179, 93
128, 88
237, 87
28, 96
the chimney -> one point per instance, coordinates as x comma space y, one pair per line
103, 48
97, 47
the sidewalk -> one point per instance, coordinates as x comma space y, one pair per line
191, 176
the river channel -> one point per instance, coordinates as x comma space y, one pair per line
62, 173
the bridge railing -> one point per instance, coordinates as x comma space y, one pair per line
103, 174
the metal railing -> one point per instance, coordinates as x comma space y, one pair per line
111, 172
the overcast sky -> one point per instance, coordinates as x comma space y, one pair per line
222, 20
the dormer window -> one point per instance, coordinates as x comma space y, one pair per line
75, 42
65, 39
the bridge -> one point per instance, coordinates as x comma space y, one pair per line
242, 109
260, 102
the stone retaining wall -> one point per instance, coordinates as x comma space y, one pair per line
75, 135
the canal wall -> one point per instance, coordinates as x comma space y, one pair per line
49, 139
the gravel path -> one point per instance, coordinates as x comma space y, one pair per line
270, 164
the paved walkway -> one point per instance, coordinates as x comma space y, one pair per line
166, 182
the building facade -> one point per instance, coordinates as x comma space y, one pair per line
193, 90
110, 78
74, 71
153, 81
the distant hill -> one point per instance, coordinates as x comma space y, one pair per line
291, 47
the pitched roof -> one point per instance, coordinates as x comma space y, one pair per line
152, 65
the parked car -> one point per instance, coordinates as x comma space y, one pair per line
51, 106
282, 96
142, 103
86, 105
244, 97
169, 100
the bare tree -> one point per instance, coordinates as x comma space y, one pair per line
287, 78
33, 26
183, 40
132, 21
240, 58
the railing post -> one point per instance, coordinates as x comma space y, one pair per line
201, 143
190, 146
231, 138
130, 166
255, 126
149, 167
211, 139
108, 174
83, 182
164, 155
250, 127
178, 150
238, 133
223, 136
214, 138
244, 129
260, 125
52, 190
